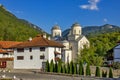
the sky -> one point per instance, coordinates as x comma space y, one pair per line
47, 13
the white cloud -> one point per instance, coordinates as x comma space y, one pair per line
91, 6
105, 20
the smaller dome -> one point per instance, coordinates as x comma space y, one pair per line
75, 24
56, 27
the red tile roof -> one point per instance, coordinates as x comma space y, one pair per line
2, 51
8, 44
6, 59
39, 41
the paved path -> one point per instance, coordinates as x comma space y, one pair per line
30, 75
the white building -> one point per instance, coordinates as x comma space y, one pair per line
74, 42
33, 54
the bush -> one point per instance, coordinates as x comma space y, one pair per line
55, 67
88, 72
116, 65
97, 74
71, 68
68, 68
110, 73
47, 67
51, 66
81, 69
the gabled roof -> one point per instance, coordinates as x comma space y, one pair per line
38, 41
8, 44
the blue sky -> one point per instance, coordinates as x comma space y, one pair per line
47, 13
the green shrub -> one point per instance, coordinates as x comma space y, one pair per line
97, 74
68, 68
47, 67
110, 73
71, 68
81, 69
88, 72
75, 68
51, 66
55, 67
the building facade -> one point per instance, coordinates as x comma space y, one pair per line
34, 53
74, 42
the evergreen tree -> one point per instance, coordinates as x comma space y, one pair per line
88, 72
59, 66
55, 67
63, 69
47, 67
97, 72
75, 68
68, 68
51, 66
71, 67
81, 69
110, 73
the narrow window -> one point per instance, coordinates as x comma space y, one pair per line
30, 49
20, 49
20, 57
42, 48
59, 49
31, 57
42, 57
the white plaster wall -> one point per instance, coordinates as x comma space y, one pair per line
56, 32
1, 55
35, 63
76, 30
67, 56
82, 42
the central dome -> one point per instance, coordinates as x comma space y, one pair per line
75, 25
56, 27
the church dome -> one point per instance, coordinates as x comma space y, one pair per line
76, 25
56, 27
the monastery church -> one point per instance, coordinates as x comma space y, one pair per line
74, 42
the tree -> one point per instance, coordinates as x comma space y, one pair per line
81, 69
59, 66
47, 67
97, 74
63, 68
71, 68
55, 67
75, 68
68, 68
110, 73
88, 72
51, 66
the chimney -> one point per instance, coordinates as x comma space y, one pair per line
49, 38
30, 39
44, 35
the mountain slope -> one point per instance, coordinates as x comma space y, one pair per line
95, 30
16, 29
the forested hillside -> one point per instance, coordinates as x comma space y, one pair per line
12, 28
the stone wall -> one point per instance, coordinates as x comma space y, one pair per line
116, 72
